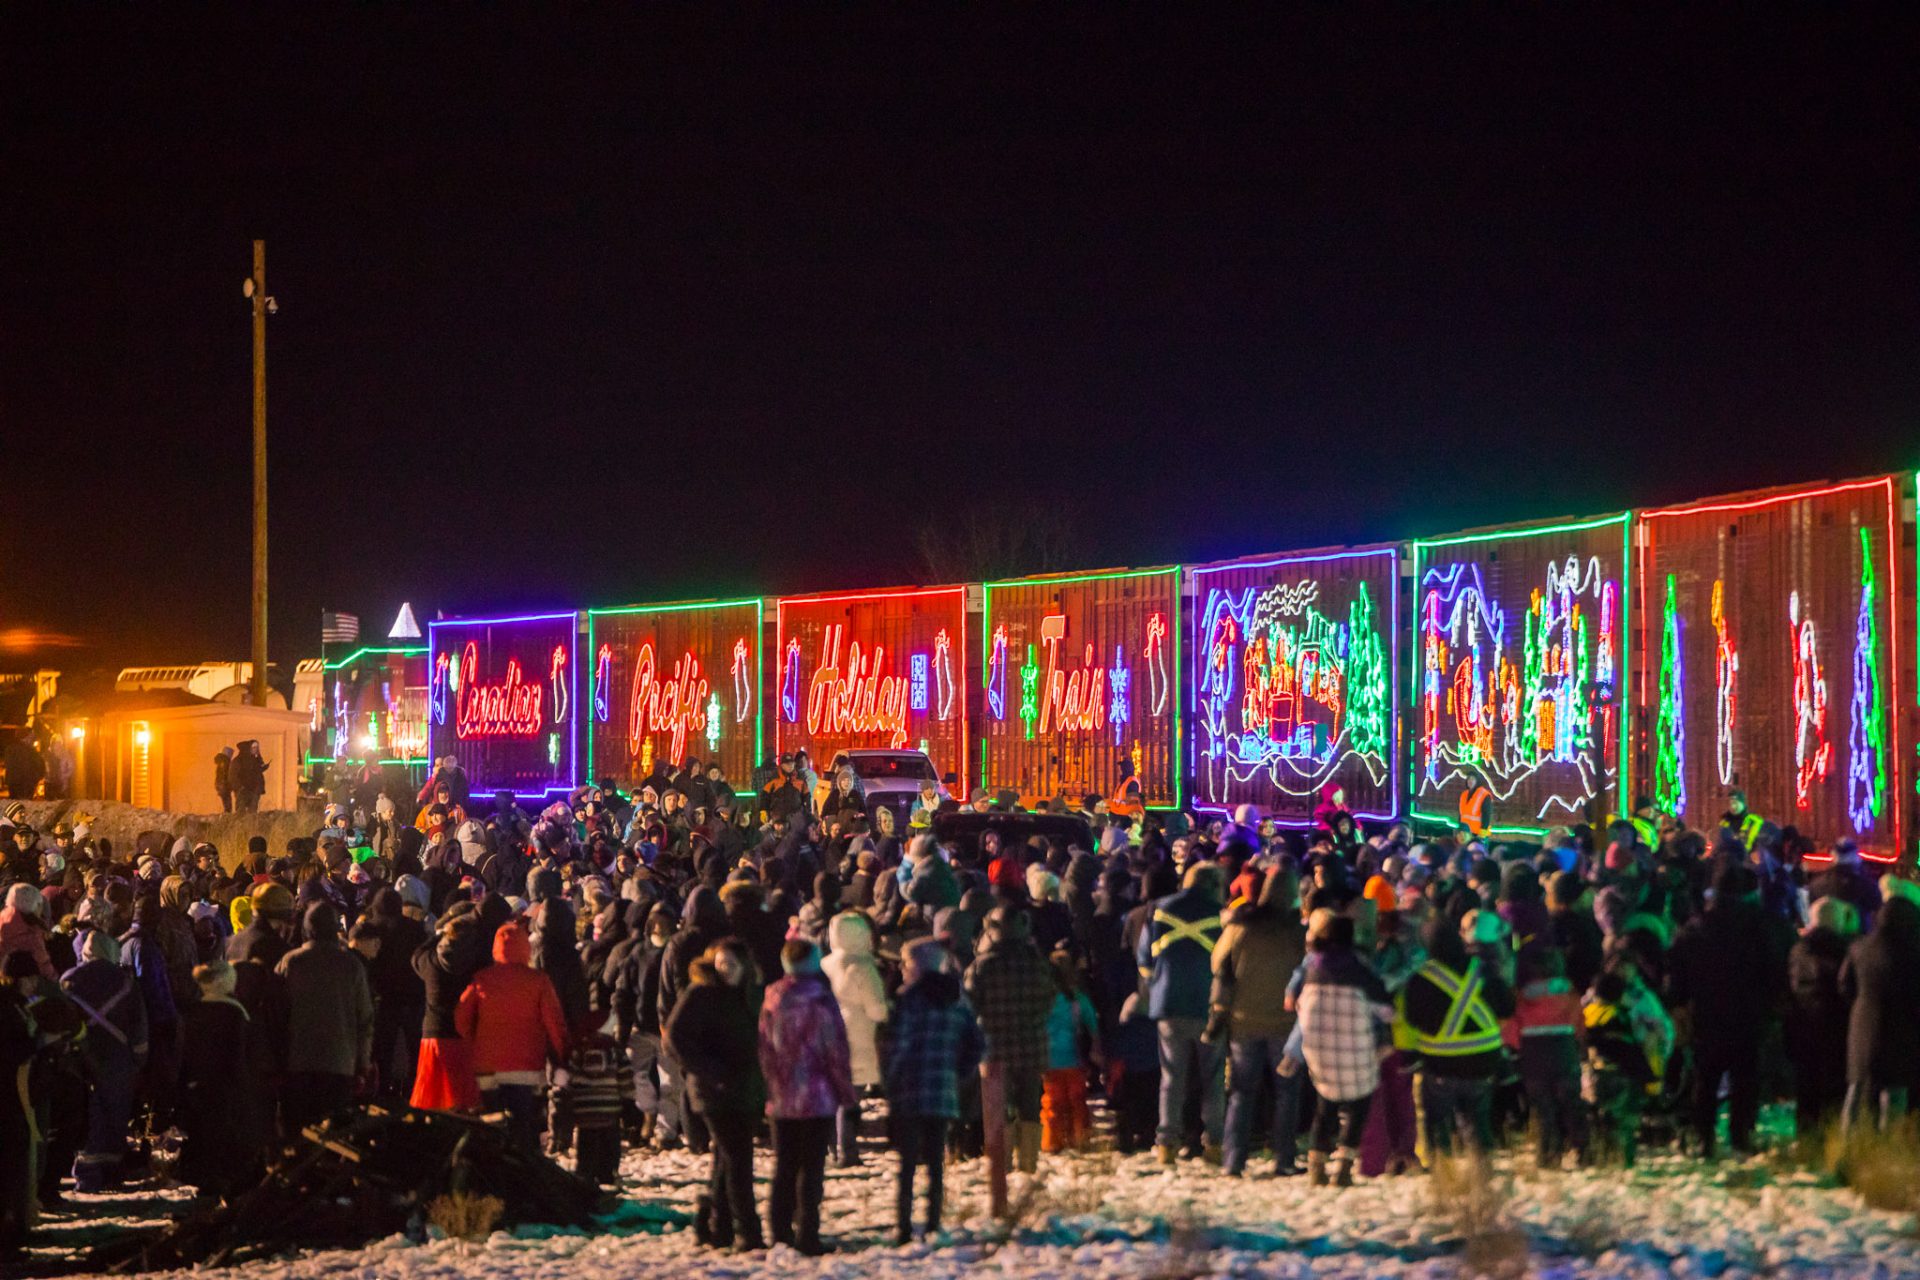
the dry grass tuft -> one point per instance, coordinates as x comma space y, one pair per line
463, 1216
1883, 1168
229, 832
1464, 1194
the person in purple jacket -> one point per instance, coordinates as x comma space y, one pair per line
804, 1056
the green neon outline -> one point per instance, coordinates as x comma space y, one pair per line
1621, 672
759, 604
405, 651
1177, 624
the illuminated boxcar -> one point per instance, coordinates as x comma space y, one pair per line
1294, 674
1519, 662
880, 668
1082, 675
502, 700
1769, 656
371, 708
674, 681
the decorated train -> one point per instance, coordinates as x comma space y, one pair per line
1523, 677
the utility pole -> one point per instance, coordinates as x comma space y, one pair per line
262, 304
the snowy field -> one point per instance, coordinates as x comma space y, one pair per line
1099, 1215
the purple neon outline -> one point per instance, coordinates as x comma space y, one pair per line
573, 743
1392, 552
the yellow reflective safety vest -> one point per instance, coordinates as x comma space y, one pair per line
1469, 1026
1204, 932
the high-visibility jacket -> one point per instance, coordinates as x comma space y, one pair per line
1467, 1027
1473, 809
1126, 799
1175, 955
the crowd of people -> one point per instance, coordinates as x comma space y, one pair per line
690, 966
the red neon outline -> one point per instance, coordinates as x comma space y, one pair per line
899, 593
1884, 483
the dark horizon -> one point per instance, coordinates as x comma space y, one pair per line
583, 313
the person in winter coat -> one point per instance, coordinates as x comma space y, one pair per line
1065, 1121
221, 1087
248, 774
1450, 1013
1011, 987
1343, 1013
556, 952
1175, 959
144, 958
636, 1001
597, 1086
19, 1143
511, 1016
703, 922
1261, 946
804, 1057
174, 927
1848, 879
115, 1045
936, 1042
329, 1021
443, 1078
23, 927
1883, 1029
862, 995
1817, 1014
819, 910
713, 1032
1547, 1022
399, 995
1728, 968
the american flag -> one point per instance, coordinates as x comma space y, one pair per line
339, 628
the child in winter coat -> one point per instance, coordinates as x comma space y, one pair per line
862, 996
1133, 1077
1064, 1119
1546, 1021
1343, 1015
803, 1055
936, 1042
1628, 1039
595, 1088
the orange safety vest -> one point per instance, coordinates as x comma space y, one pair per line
1473, 809
1125, 799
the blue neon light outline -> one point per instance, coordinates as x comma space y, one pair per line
573, 744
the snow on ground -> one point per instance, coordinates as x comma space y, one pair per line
1101, 1214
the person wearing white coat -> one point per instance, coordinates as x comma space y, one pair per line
855, 976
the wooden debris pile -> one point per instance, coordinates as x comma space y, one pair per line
364, 1175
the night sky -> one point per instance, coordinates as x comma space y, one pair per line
587, 313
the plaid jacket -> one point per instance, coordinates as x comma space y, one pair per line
1343, 1012
1012, 990
936, 1039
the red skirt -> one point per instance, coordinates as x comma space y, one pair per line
444, 1080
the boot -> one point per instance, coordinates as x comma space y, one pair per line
1027, 1139
1168, 1155
1316, 1168
1343, 1168
703, 1220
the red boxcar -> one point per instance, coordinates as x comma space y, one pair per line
674, 681
1769, 657
873, 669
1083, 674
